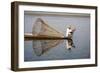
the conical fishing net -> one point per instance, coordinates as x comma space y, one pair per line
42, 29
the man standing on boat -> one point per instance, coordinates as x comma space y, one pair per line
69, 34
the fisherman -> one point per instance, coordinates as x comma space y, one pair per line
70, 31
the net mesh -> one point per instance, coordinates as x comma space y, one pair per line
42, 29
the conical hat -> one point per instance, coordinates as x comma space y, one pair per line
72, 27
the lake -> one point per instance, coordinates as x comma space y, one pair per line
81, 37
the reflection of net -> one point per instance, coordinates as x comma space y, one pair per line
41, 46
42, 29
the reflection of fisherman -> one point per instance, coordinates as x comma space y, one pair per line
69, 35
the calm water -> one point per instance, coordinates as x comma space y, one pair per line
81, 37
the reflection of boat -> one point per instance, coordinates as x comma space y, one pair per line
45, 37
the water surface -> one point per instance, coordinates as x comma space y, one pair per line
81, 37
